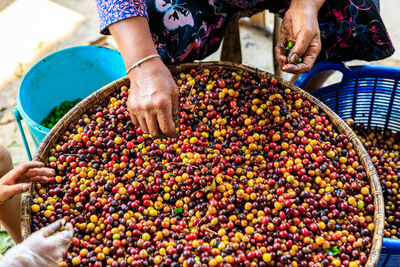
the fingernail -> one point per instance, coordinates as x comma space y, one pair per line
294, 58
25, 187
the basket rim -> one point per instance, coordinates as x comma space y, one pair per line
338, 123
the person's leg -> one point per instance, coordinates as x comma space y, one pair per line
316, 83
10, 209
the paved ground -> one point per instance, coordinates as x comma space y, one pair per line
52, 25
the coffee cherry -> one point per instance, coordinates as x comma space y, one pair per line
383, 148
258, 176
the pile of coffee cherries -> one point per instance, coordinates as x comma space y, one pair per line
259, 176
383, 147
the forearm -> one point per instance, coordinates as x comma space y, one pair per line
133, 38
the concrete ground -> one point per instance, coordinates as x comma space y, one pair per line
48, 26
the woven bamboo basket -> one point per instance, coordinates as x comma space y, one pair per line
98, 96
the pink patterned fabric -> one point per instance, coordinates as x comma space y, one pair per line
185, 30
111, 11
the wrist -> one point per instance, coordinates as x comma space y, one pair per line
133, 38
146, 69
143, 60
308, 5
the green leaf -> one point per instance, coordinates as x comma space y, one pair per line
171, 174
332, 251
240, 72
5, 241
214, 183
13, 144
178, 210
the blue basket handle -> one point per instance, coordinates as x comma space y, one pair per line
318, 68
391, 246
18, 118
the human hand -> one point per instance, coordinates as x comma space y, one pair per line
17, 180
153, 99
300, 26
45, 247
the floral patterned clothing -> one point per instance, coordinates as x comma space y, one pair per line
185, 30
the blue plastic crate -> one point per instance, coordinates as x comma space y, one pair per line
369, 95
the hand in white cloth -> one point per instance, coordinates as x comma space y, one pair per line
45, 247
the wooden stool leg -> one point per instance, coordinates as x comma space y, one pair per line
275, 40
231, 49
259, 19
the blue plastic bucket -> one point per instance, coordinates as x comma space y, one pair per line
64, 75
370, 95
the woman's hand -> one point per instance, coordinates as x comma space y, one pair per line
300, 26
17, 180
153, 98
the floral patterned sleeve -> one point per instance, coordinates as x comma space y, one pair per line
111, 11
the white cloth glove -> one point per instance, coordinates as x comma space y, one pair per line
43, 248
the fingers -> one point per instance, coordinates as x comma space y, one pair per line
153, 101
29, 165
143, 124
52, 228
44, 172
137, 116
146, 115
280, 52
300, 26
175, 108
64, 237
8, 191
308, 58
134, 119
152, 124
296, 68
131, 107
166, 122
26, 171
161, 122
68, 227
299, 49
16, 173
286, 36
43, 179
303, 67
